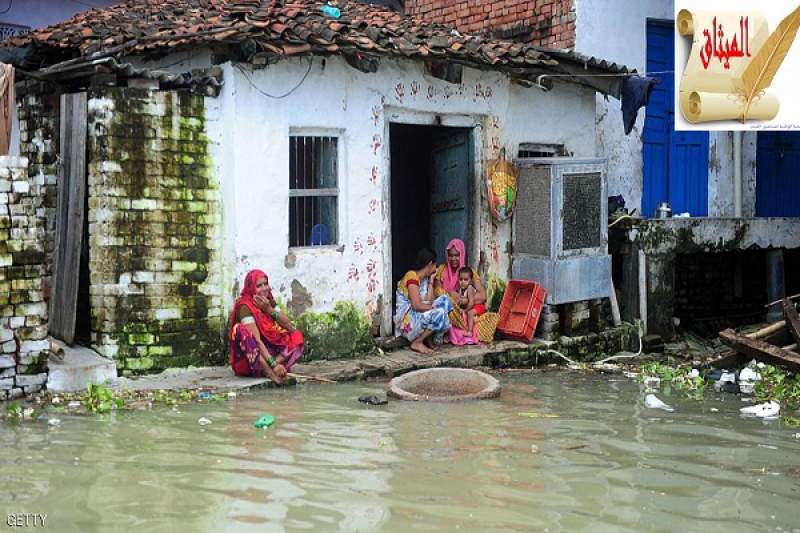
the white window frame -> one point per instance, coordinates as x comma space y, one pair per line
336, 192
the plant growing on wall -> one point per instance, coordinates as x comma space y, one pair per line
495, 289
341, 333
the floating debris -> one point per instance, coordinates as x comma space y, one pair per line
203, 421
762, 410
537, 415
371, 399
265, 421
652, 401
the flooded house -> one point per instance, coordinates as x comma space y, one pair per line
736, 246
166, 148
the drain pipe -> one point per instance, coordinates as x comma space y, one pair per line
738, 271
643, 290
737, 174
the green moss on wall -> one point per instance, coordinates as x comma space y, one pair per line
341, 333
151, 176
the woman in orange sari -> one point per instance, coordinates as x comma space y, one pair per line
263, 341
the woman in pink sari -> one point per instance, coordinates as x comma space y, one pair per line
446, 282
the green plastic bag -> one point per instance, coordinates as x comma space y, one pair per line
265, 421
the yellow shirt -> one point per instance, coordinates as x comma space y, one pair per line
410, 278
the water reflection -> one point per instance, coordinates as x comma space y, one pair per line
557, 452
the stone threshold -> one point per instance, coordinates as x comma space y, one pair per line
504, 353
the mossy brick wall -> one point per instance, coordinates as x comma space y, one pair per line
549, 23
154, 220
38, 112
23, 310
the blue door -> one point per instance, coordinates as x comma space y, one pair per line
451, 182
675, 164
778, 174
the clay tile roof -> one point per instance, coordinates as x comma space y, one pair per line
276, 27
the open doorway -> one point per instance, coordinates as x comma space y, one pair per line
432, 190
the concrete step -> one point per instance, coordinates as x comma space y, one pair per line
80, 367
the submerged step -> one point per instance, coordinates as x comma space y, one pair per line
80, 367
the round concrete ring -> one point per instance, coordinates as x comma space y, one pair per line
444, 385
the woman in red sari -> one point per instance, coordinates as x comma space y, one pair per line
263, 341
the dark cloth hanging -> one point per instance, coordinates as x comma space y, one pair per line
635, 93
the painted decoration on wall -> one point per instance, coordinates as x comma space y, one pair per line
502, 187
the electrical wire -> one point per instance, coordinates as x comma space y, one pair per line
284, 95
6, 10
616, 75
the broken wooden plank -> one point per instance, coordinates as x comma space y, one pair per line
760, 350
790, 348
792, 319
69, 218
768, 330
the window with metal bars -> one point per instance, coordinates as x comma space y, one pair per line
10, 30
313, 190
527, 150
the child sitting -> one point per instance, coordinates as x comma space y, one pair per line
466, 300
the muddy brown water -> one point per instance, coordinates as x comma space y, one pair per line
558, 451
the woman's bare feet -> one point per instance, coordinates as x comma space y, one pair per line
431, 345
420, 347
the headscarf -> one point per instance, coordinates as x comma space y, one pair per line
270, 330
450, 275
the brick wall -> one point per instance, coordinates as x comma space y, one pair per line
705, 289
154, 223
23, 310
38, 111
549, 23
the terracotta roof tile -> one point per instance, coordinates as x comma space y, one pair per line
279, 27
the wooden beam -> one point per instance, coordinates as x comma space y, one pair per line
760, 350
792, 319
769, 330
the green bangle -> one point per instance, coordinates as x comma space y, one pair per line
271, 362
275, 314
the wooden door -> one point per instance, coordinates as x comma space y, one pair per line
450, 191
69, 217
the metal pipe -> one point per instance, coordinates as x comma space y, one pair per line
737, 174
643, 289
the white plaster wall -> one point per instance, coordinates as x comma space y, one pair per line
253, 162
720, 174
615, 30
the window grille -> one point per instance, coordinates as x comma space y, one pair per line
10, 30
313, 190
527, 150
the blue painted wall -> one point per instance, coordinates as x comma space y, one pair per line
675, 164
778, 174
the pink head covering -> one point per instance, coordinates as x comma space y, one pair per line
450, 276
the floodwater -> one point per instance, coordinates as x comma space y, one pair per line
558, 451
